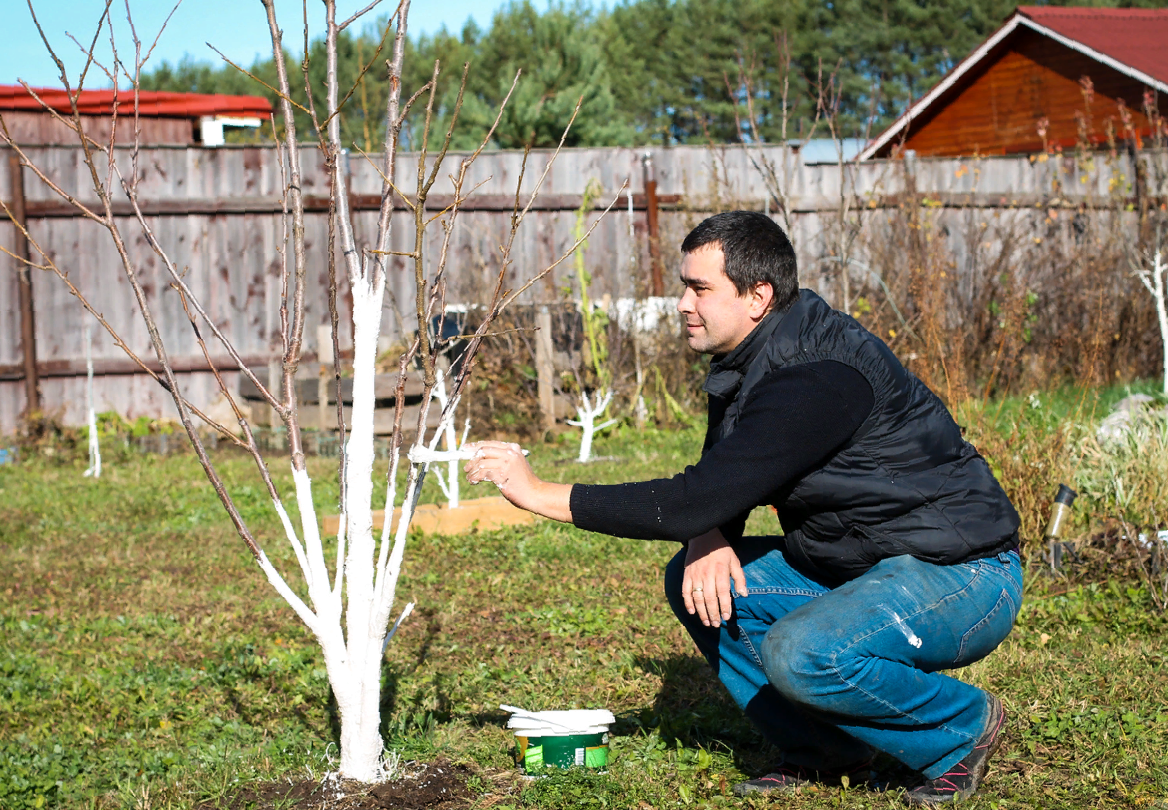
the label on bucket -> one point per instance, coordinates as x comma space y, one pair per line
533, 758
563, 751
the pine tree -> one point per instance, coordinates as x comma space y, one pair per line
647, 71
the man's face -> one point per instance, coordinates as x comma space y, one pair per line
717, 318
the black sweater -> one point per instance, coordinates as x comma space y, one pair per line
793, 422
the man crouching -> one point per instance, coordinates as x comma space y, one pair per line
899, 553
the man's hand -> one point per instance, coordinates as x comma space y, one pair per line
710, 565
504, 465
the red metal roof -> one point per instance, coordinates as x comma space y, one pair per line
155, 103
1137, 37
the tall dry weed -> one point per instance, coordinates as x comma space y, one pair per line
1028, 453
984, 303
1125, 476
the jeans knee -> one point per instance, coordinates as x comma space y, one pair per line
794, 664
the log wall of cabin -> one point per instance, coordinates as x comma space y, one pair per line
998, 110
31, 128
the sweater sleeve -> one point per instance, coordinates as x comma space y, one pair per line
794, 420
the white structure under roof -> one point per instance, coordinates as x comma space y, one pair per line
212, 128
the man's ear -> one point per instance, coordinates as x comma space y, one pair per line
761, 299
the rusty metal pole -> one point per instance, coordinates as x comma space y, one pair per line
650, 180
32, 386
545, 368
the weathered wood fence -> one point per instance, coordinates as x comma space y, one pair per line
219, 214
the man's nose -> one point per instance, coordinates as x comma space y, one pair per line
683, 303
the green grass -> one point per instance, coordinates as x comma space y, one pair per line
147, 663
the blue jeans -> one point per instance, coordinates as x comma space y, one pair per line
830, 675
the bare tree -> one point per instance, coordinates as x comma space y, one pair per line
346, 605
777, 175
848, 222
1146, 256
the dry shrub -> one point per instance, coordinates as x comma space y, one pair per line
993, 302
504, 390
1033, 447
988, 301
503, 395
1126, 476
1124, 482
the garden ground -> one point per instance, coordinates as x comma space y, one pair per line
147, 663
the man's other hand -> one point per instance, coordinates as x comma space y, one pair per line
710, 565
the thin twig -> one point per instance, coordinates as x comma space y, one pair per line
279, 94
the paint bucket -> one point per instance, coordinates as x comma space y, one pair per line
576, 738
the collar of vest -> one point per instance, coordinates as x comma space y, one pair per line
727, 371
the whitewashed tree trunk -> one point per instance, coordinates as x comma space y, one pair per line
94, 468
347, 605
589, 411
1154, 281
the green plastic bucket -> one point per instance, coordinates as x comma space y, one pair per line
562, 751
561, 739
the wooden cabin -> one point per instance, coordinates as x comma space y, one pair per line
164, 118
1048, 78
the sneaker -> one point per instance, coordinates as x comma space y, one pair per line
964, 778
789, 779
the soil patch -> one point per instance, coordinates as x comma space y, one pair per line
422, 786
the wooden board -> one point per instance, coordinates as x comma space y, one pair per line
477, 513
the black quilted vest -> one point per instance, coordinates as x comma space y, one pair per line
906, 483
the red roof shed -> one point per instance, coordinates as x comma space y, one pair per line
164, 117
1048, 77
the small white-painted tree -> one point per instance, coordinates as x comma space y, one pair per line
1152, 277
347, 605
448, 483
94, 468
1146, 254
589, 411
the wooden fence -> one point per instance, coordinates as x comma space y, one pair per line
218, 214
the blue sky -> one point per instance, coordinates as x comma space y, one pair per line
238, 28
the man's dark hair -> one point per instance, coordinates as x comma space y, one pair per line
755, 250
